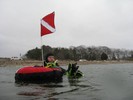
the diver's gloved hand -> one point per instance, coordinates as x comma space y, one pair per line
73, 72
69, 67
72, 69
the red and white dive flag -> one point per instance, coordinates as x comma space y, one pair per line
47, 24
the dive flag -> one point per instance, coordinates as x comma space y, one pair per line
47, 24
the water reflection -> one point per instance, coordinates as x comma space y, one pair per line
73, 82
100, 82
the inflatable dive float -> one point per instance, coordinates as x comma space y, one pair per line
38, 74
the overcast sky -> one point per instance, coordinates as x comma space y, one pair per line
78, 22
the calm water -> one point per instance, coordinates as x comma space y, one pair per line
100, 82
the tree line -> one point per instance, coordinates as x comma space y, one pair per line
81, 52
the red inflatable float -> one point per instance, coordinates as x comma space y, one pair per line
38, 74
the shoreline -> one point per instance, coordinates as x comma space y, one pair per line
5, 63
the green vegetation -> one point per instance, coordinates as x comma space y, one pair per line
104, 56
82, 52
34, 54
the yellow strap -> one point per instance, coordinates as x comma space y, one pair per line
51, 64
47, 66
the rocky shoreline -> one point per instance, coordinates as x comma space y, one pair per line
5, 63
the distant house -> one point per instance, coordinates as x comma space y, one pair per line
82, 60
15, 58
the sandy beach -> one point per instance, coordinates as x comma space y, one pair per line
5, 63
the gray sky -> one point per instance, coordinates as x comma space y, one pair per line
78, 22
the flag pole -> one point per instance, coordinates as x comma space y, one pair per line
42, 51
47, 27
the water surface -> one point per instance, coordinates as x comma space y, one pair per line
100, 82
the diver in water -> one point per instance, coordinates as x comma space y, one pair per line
71, 72
51, 62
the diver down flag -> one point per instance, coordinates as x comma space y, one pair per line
47, 24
